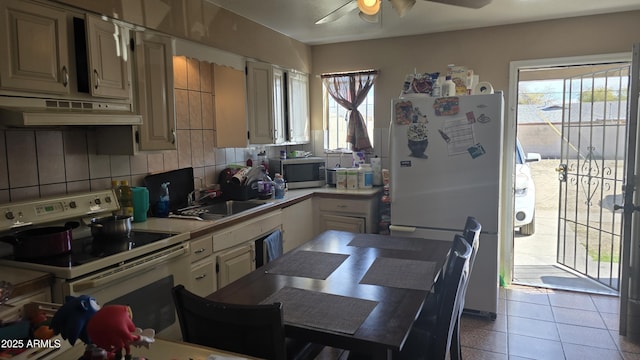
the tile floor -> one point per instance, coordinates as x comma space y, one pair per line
546, 324
542, 324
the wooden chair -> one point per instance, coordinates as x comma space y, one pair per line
435, 338
255, 330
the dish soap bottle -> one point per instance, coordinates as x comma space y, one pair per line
162, 209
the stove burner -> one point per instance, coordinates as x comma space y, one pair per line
88, 249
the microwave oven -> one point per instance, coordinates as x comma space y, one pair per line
300, 172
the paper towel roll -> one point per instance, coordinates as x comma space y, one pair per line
483, 87
376, 165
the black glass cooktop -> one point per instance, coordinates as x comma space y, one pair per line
88, 249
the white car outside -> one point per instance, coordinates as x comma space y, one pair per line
525, 191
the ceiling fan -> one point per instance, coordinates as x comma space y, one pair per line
369, 9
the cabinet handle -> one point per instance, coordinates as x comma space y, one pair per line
65, 76
342, 206
200, 277
173, 136
96, 77
201, 250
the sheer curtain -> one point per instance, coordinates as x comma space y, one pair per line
349, 90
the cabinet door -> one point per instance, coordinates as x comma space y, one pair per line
203, 278
279, 116
344, 223
297, 229
260, 100
154, 74
109, 60
230, 106
299, 120
235, 264
34, 47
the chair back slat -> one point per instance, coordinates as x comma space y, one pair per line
471, 233
255, 330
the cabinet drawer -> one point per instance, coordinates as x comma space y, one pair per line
203, 278
246, 231
351, 206
201, 248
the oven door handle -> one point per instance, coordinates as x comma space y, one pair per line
138, 266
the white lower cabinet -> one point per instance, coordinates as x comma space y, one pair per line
297, 224
344, 223
348, 214
235, 263
203, 280
234, 247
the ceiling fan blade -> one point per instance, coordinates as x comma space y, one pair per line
402, 6
339, 12
474, 4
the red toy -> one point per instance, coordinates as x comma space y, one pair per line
112, 329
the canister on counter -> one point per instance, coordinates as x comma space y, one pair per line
365, 176
352, 178
341, 178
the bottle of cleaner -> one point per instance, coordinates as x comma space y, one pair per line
449, 87
162, 208
279, 185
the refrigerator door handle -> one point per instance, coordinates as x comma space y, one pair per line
401, 228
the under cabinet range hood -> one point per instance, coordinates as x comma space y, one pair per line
22, 111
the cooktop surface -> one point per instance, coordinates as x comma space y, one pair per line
88, 249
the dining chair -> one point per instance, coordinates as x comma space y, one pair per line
439, 336
436, 331
471, 232
254, 330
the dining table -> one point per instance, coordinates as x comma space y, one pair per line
354, 291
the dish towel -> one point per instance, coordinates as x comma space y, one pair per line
274, 245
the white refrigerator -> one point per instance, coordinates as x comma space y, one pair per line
446, 164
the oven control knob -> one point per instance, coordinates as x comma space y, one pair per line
9, 215
73, 204
107, 199
98, 201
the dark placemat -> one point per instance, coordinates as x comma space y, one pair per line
386, 242
322, 311
309, 264
400, 273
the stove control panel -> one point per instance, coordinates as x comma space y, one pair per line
56, 209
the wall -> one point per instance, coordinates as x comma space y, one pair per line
488, 51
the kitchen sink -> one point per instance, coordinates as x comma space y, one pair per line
222, 209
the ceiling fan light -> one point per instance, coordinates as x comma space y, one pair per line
402, 6
369, 7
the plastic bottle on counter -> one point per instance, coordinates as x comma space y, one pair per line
115, 186
126, 199
265, 185
436, 90
365, 176
449, 87
162, 207
278, 186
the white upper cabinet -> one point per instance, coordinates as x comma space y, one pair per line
154, 91
278, 105
34, 44
109, 58
260, 95
298, 103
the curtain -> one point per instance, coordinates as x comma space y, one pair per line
349, 90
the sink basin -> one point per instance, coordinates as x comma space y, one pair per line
223, 209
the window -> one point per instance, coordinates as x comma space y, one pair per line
335, 121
